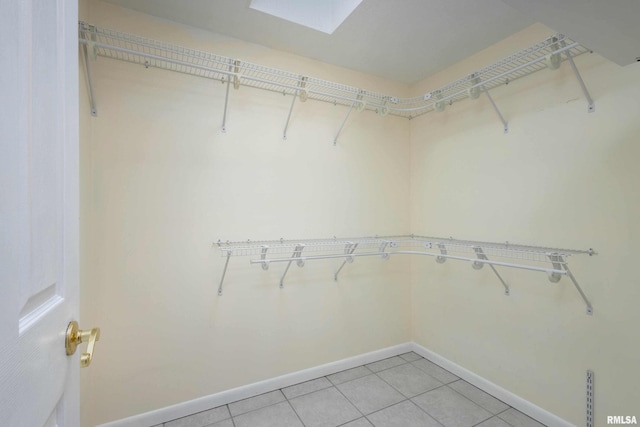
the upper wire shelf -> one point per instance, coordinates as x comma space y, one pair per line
152, 53
503, 250
552, 261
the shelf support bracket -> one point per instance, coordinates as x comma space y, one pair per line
302, 92
92, 98
335, 139
479, 264
226, 96
293, 101
296, 254
560, 264
505, 125
263, 257
381, 249
584, 297
349, 249
359, 105
224, 272
591, 106
443, 251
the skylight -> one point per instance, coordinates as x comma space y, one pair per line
321, 15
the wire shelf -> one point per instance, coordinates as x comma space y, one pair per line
396, 244
152, 53
310, 245
543, 55
552, 261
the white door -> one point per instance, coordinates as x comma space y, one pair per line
38, 212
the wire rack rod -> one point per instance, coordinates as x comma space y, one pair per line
381, 254
508, 250
152, 53
552, 261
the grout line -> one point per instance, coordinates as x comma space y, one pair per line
436, 378
304, 394
393, 404
352, 404
424, 410
359, 418
465, 397
389, 406
477, 404
484, 421
498, 415
414, 404
295, 412
429, 391
409, 352
502, 412
326, 388
488, 394
390, 385
356, 367
233, 423
257, 409
264, 407
386, 369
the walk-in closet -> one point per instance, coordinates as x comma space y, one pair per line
256, 219
325, 213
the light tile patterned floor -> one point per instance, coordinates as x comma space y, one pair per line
402, 391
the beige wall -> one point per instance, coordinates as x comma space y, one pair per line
561, 177
162, 183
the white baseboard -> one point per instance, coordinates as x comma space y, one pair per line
224, 397
524, 406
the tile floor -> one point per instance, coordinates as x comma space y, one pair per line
402, 391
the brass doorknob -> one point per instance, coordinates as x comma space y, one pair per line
75, 336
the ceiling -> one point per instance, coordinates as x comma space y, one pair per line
403, 40
408, 40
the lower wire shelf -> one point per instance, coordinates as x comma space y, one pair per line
552, 261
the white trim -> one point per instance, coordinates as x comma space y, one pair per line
522, 405
224, 397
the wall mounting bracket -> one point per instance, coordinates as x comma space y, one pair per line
263, 257
357, 105
295, 257
286, 125
443, 251
591, 106
505, 125
303, 94
590, 396
349, 249
224, 272
478, 264
232, 64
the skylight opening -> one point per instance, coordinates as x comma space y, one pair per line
320, 15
